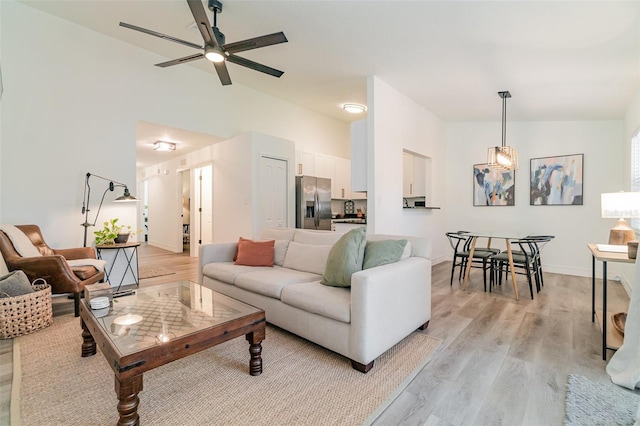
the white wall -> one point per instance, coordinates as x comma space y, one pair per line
602, 144
73, 108
395, 122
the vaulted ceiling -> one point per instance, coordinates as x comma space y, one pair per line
561, 60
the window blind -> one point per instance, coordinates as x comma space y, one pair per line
635, 173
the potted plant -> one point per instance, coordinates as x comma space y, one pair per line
112, 233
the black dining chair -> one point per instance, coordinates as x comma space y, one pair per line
526, 261
461, 245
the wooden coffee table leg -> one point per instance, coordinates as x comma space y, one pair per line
128, 401
255, 349
88, 344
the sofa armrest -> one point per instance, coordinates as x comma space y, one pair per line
388, 303
219, 252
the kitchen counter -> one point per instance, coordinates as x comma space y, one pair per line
360, 221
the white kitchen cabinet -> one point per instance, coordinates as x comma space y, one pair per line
342, 184
325, 166
414, 175
305, 163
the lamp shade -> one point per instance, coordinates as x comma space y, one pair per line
126, 196
620, 204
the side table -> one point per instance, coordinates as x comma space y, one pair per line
604, 318
129, 251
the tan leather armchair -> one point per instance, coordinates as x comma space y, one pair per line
52, 266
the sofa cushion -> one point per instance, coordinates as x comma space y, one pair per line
345, 258
306, 236
280, 251
330, 302
270, 283
228, 271
307, 257
277, 234
255, 253
377, 253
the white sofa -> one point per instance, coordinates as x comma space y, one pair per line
384, 304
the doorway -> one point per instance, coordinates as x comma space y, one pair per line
201, 227
185, 179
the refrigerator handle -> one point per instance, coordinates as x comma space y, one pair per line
317, 210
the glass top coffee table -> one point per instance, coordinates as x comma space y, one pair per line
161, 324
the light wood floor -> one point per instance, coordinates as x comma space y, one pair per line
502, 361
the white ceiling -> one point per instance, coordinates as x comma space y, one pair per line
560, 60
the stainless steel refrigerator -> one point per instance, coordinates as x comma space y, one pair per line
313, 203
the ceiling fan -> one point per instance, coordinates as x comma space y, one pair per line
215, 49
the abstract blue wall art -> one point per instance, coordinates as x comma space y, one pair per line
556, 181
493, 187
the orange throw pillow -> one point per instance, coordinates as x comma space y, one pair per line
255, 253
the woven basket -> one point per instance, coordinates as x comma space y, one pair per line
25, 314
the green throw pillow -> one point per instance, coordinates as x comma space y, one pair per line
378, 253
345, 258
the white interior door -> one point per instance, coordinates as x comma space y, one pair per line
202, 214
273, 193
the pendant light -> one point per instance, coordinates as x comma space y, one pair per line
503, 157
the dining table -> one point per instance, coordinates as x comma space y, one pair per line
507, 236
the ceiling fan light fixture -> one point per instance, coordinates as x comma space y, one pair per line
354, 108
214, 54
163, 146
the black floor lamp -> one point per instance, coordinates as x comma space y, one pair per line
87, 195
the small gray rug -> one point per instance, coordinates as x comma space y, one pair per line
153, 271
593, 403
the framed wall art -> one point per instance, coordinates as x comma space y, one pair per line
556, 181
493, 187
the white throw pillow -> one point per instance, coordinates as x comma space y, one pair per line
307, 257
280, 252
405, 254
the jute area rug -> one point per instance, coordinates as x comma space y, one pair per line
145, 271
302, 383
593, 403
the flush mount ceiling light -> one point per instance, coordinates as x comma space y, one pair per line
164, 146
354, 108
503, 157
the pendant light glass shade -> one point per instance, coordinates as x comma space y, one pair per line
503, 157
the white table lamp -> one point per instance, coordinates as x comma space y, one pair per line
620, 205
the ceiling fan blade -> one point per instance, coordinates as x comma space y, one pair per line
254, 65
197, 10
223, 73
157, 34
180, 60
256, 42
